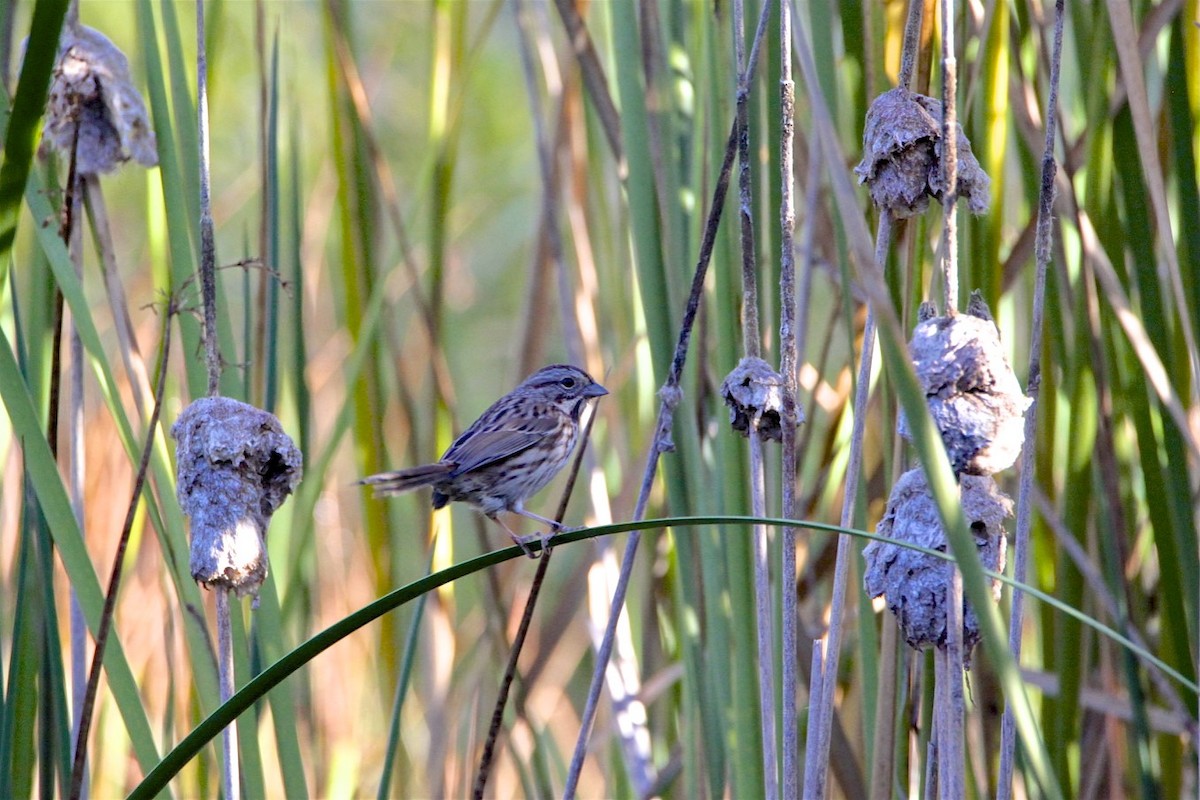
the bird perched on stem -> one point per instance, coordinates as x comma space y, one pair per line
510, 453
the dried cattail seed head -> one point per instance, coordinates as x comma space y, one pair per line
915, 584
92, 91
236, 466
754, 393
902, 156
973, 395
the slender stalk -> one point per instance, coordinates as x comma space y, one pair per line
1042, 251
821, 715
951, 780
212, 359
131, 356
950, 677
594, 79
510, 670
75, 485
912, 42
883, 761
949, 161
208, 257
765, 627
88, 700
751, 348
789, 358
670, 396
750, 332
231, 776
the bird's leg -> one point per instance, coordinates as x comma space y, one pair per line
554, 525
521, 541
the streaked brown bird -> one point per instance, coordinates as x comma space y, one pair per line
510, 453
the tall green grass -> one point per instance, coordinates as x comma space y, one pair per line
381, 161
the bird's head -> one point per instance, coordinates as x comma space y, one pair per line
565, 386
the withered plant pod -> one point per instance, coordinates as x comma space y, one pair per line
915, 584
973, 394
92, 89
236, 466
755, 391
902, 156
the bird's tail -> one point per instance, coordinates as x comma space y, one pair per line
405, 480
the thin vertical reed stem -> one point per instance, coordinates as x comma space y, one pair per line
231, 777
670, 396
87, 704
951, 780
789, 358
950, 677
1042, 251
751, 348
765, 627
212, 359
750, 331
208, 256
817, 772
822, 691
912, 42
949, 161
77, 457
510, 671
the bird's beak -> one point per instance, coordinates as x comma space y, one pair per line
595, 390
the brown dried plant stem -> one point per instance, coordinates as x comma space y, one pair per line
764, 627
131, 356
1042, 251
823, 683
114, 580
790, 777
576, 317
208, 257
670, 396
510, 670
77, 458
212, 358
950, 712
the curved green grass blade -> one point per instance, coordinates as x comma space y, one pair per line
273, 675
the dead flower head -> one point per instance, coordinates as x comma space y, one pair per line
915, 584
754, 394
902, 156
236, 466
973, 395
92, 91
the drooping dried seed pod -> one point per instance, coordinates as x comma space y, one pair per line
902, 156
236, 466
754, 391
915, 584
972, 392
93, 91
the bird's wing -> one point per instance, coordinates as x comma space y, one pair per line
475, 449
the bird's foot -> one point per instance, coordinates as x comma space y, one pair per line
524, 543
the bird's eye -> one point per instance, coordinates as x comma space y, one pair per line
567, 383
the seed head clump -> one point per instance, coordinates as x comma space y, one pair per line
754, 394
236, 466
94, 109
973, 395
915, 584
902, 156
